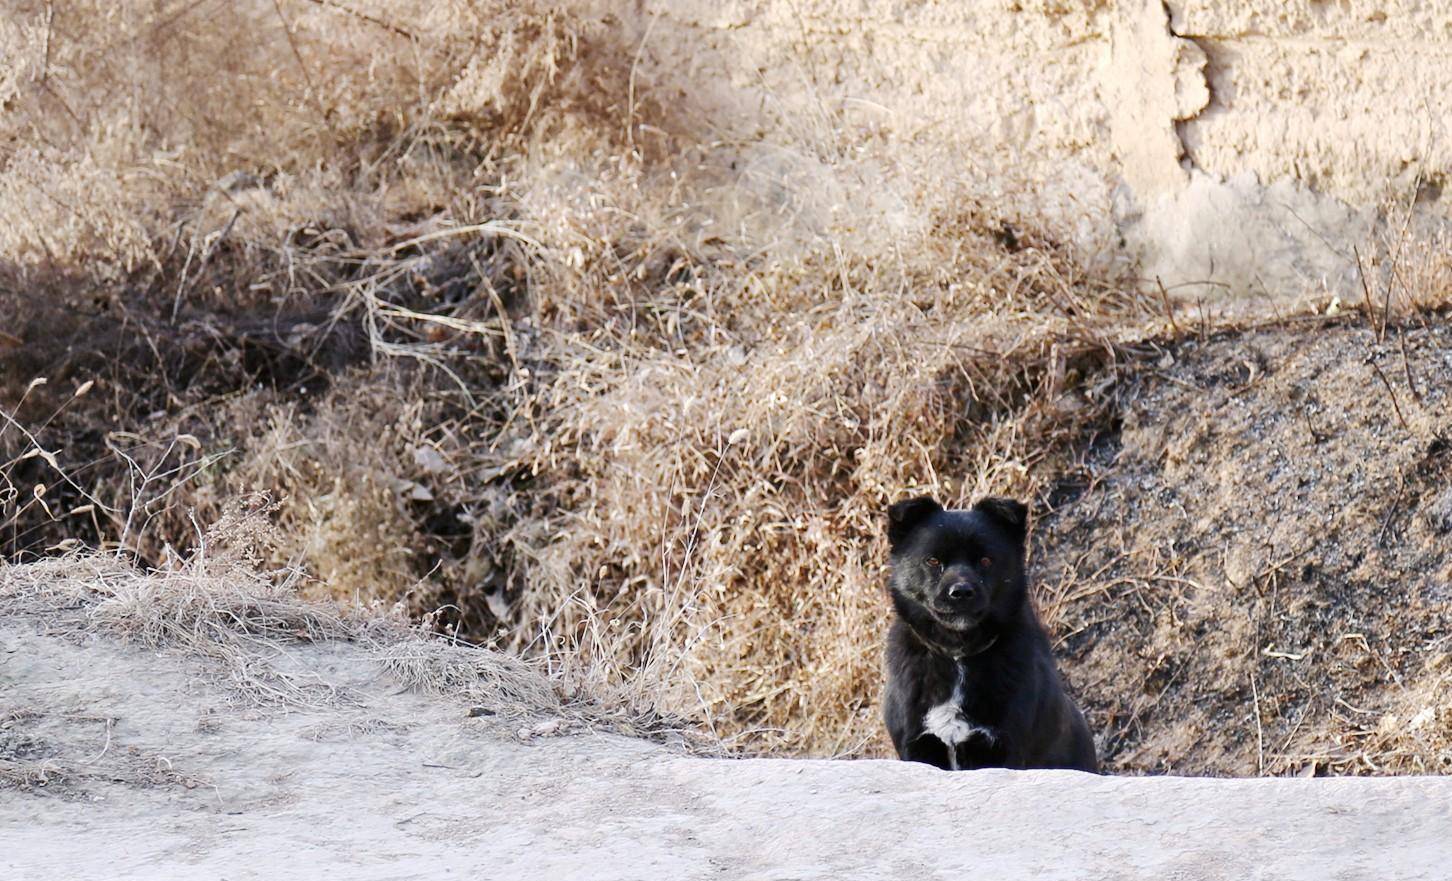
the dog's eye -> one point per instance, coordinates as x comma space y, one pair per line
933, 563
985, 563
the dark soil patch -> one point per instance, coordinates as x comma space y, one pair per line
1255, 575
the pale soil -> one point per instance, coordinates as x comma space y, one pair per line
154, 769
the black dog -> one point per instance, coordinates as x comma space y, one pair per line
971, 681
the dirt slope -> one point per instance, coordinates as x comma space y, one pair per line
120, 762
1253, 573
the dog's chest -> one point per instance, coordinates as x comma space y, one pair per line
947, 721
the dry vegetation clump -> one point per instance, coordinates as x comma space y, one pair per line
134, 131
321, 202
727, 473
538, 347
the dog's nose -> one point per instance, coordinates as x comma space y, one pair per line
961, 591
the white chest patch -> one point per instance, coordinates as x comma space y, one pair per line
947, 722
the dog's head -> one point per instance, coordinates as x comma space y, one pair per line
961, 568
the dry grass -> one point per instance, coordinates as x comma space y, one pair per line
128, 121
519, 341
734, 475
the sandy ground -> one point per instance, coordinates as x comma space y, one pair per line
155, 770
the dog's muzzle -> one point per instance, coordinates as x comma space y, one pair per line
960, 604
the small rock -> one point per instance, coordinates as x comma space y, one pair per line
1439, 512
543, 729
430, 460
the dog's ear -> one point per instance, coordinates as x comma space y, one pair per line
1009, 514
905, 516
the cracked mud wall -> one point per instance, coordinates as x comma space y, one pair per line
1248, 143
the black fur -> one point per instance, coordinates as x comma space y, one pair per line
961, 594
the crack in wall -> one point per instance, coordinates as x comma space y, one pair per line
1155, 83
1205, 80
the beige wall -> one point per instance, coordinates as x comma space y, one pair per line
1249, 142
